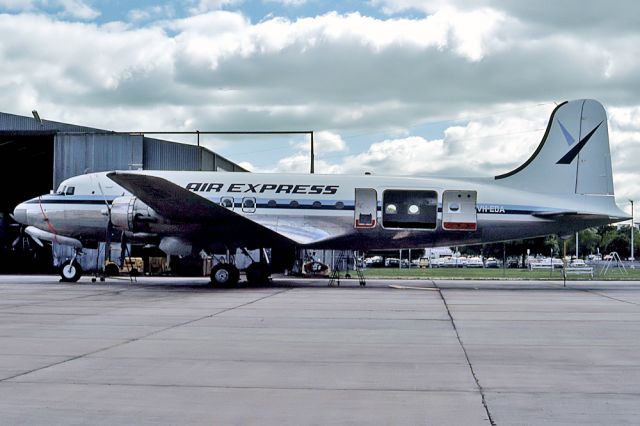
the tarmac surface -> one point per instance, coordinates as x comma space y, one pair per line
175, 351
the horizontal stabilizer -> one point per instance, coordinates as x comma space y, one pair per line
574, 215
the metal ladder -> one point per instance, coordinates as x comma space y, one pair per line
335, 272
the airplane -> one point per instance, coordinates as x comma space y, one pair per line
565, 186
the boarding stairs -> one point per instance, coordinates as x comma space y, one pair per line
334, 278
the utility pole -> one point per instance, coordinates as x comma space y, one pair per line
633, 226
577, 243
313, 155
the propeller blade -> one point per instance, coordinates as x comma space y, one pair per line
104, 197
37, 240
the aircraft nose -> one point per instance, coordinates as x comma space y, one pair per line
20, 214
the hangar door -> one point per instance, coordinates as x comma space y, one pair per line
80, 153
459, 211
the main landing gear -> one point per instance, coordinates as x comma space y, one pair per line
258, 273
225, 273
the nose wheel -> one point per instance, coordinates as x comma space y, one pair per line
71, 271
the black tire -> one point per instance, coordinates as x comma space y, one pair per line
225, 274
111, 270
70, 272
258, 273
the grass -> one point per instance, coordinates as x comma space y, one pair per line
496, 273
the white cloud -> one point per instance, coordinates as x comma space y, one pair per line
292, 3
17, 4
69, 8
333, 73
165, 11
324, 142
204, 6
78, 9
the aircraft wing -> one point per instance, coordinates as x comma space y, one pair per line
180, 205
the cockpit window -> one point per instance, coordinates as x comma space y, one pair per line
70, 190
61, 190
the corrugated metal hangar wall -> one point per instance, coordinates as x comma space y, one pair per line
79, 153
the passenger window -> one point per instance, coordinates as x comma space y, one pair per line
391, 209
454, 207
249, 205
227, 202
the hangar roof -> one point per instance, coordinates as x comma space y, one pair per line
74, 140
18, 124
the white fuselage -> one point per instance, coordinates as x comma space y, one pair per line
325, 210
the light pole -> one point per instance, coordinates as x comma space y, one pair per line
632, 229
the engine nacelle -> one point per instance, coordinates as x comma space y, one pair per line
131, 214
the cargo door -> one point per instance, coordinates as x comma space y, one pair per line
459, 211
366, 208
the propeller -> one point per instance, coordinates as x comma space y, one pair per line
23, 236
109, 230
123, 248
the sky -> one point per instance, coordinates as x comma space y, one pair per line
401, 87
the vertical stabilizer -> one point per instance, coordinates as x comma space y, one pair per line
573, 156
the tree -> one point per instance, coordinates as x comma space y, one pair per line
588, 239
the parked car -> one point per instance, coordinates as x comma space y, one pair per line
392, 262
474, 262
511, 264
452, 262
374, 261
578, 263
492, 262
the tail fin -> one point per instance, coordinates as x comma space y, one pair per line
573, 157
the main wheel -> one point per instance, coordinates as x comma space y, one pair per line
225, 274
258, 273
111, 270
70, 271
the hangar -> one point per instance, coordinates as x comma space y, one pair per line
36, 155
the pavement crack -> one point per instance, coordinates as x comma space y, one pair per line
466, 355
135, 339
597, 293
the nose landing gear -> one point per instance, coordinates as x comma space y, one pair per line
71, 271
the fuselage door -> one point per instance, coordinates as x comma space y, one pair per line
459, 211
366, 208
